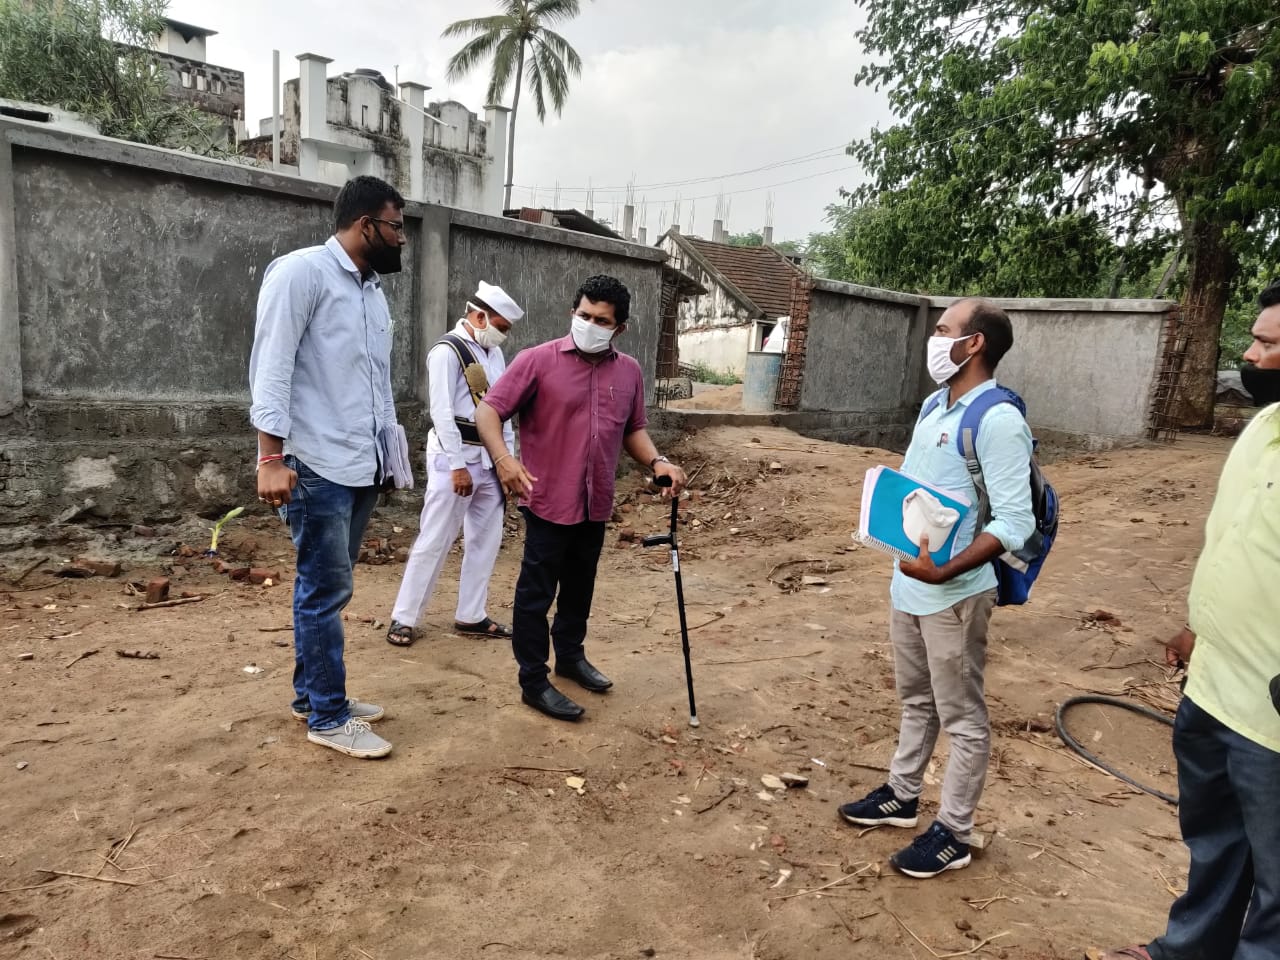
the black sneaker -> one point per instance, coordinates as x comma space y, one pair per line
933, 852
881, 808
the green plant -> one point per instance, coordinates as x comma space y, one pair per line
216, 529
93, 57
704, 373
1039, 140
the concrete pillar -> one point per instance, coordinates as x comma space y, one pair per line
497, 120
414, 94
313, 96
434, 317
628, 221
717, 231
308, 160
768, 236
276, 131
914, 391
642, 236
414, 124
591, 214
675, 229
10, 332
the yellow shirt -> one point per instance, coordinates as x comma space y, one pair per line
1235, 594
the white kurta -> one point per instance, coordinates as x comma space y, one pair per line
445, 514
450, 397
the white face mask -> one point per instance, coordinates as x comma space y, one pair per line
941, 367
590, 338
490, 336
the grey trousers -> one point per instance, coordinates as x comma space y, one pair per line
939, 662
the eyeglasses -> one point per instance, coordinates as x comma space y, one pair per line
396, 225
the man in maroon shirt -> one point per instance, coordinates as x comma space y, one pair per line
580, 403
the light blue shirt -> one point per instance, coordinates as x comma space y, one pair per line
320, 371
1004, 449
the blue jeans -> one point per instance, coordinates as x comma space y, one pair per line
1229, 808
327, 523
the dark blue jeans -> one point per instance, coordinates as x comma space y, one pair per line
557, 557
1229, 808
327, 523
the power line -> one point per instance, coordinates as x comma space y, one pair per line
744, 190
827, 153
840, 149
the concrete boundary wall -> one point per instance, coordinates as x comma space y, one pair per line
1087, 368
128, 283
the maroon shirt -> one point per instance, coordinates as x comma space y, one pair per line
574, 415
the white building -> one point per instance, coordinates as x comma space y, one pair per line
748, 289
334, 128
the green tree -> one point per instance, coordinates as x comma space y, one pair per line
522, 45
92, 57
1136, 117
917, 239
755, 238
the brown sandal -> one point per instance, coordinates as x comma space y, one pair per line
401, 634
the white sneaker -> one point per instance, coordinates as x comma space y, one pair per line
355, 739
368, 712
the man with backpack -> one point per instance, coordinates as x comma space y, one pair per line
463, 493
938, 625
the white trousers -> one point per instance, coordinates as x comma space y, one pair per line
444, 514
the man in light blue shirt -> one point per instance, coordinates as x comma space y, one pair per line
938, 625
320, 378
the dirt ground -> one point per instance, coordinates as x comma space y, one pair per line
711, 398
239, 839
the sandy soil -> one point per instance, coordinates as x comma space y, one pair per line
713, 398
242, 840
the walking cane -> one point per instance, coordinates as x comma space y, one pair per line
661, 539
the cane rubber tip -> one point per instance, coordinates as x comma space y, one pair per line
693, 722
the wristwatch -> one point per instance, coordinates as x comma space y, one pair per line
658, 459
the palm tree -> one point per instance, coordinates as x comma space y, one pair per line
522, 32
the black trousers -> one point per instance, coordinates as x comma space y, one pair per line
556, 558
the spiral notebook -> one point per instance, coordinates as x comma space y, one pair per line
880, 521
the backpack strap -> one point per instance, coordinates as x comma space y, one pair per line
967, 441
476, 379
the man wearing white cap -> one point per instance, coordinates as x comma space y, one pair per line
463, 492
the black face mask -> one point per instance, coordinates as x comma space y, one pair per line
1263, 385
383, 257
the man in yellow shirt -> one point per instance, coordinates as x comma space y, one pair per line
1227, 734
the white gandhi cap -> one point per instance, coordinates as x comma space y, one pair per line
500, 301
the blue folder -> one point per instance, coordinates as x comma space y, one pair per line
880, 520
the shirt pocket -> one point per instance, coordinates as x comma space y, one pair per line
1266, 507
614, 405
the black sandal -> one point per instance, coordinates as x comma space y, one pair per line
401, 634
485, 628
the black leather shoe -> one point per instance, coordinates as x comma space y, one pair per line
553, 703
584, 675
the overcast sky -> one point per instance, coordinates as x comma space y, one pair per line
671, 90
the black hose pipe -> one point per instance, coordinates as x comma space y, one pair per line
1077, 747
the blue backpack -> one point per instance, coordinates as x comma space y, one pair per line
1015, 571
